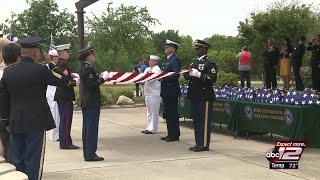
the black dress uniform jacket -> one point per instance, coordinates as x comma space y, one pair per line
65, 93
90, 82
26, 83
298, 53
271, 58
200, 89
315, 58
170, 85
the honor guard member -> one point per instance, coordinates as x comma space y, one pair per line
65, 97
271, 60
51, 90
29, 116
201, 78
170, 91
297, 57
315, 62
90, 102
152, 96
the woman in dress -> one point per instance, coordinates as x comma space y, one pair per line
285, 63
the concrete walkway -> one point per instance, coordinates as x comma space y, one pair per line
131, 155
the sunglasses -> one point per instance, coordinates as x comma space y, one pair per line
166, 47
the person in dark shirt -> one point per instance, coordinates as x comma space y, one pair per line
297, 57
136, 69
314, 47
271, 60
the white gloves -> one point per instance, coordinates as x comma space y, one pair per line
195, 73
105, 75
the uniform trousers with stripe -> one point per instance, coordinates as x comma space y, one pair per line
28, 151
54, 133
66, 113
202, 115
90, 127
153, 107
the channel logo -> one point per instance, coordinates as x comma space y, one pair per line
285, 154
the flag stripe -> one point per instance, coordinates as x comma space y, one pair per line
134, 77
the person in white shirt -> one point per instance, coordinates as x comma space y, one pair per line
51, 90
152, 96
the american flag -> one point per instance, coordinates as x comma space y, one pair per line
308, 98
250, 95
52, 46
216, 90
263, 95
223, 92
276, 97
292, 97
232, 94
184, 89
240, 94
134, 77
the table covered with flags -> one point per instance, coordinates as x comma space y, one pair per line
293, 115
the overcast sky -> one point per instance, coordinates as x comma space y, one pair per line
198, 18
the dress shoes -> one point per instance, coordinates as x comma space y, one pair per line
171, 139
148, 132
95, 158
143, 131
193, 148
199, 148
164, 138
70, 147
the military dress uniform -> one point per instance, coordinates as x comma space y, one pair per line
315, 62
297, 57
170, 91
90, 102
29, 116
201, 94
65, 96
271, 60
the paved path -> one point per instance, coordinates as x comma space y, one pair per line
131, 155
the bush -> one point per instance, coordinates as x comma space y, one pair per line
305, 73
106, 98
116, 93
229, 79
140, 99
182, 81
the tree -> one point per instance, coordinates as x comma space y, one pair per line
220, 42
159, 39
282, 19
122, 28
225, 59
43, 18
186, 51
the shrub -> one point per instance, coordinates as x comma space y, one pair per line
182, 81
229, 79
306, 77
106, 98
126, 92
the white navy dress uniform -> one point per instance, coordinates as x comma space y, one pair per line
152, 98
51, 90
